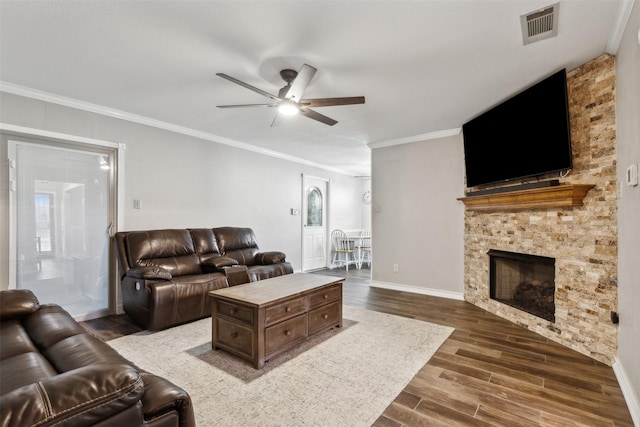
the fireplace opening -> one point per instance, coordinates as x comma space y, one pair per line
526, 282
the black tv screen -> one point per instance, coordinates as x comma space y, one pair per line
525, 136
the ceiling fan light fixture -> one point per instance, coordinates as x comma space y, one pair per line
287, 109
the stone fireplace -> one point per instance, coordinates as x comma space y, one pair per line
526, 282
581, 240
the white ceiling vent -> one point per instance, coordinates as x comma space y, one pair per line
540, 24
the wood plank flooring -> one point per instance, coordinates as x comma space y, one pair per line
489, 372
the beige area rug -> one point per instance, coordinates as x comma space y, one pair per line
344, 377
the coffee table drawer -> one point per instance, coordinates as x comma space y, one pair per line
235, 337
284, 310
289, 331
323, 317
325, 295
235, 311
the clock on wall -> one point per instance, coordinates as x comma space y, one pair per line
366, 197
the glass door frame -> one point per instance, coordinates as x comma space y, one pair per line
115, 153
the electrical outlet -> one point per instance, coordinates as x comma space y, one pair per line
136, 204
395, 268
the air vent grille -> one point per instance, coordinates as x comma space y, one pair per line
540, 24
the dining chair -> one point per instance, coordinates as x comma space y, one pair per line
343, 246
364, 248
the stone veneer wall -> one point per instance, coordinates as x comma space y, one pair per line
583, 240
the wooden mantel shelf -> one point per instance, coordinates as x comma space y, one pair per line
559, 196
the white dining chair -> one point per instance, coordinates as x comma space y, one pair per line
364, 248
344, 247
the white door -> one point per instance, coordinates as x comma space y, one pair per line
314, 223
61, 200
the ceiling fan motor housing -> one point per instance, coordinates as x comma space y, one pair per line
288, 75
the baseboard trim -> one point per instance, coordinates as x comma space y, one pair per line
630, 396
418, 290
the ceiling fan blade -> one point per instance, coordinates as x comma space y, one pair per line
247, 105
327, 102
276, 120
248, 86
317, 116
300, 83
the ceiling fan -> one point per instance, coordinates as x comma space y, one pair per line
290, 100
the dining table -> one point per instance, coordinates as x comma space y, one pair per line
356, 241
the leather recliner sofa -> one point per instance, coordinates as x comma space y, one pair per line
54, 373
166, 275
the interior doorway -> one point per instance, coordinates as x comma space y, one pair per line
314, 222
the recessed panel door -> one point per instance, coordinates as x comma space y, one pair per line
314, 223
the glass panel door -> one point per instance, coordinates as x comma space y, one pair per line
62, 215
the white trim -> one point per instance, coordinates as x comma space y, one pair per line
617, 31
418, 290
27, 132
123, 115
31, 132
630, 396
415, 138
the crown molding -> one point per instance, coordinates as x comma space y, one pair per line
123, 115
617, 31
416, 138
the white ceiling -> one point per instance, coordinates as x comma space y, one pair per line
425, 67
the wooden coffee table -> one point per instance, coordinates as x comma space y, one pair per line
259, 320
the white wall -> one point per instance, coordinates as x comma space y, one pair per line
628, 151
183, 181
417, 221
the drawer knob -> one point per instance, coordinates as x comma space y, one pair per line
326, 296
232, 311
288, 309
234, 335
287, 333
325, 316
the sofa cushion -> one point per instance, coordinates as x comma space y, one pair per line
24, 369
81, 350
237, 243
172, 250
14, 340
204, 242
49, 325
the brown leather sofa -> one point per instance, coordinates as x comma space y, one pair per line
166, 275
54, 373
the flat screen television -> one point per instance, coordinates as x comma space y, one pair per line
525, 136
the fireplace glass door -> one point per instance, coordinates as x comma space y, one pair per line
526, 282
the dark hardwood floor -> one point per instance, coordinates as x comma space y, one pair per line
489, 372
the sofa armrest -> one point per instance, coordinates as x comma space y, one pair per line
162, 396
82, 397
272, 257
219, 262
149, 272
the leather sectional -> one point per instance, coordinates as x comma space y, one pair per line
54, 373
166, 275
